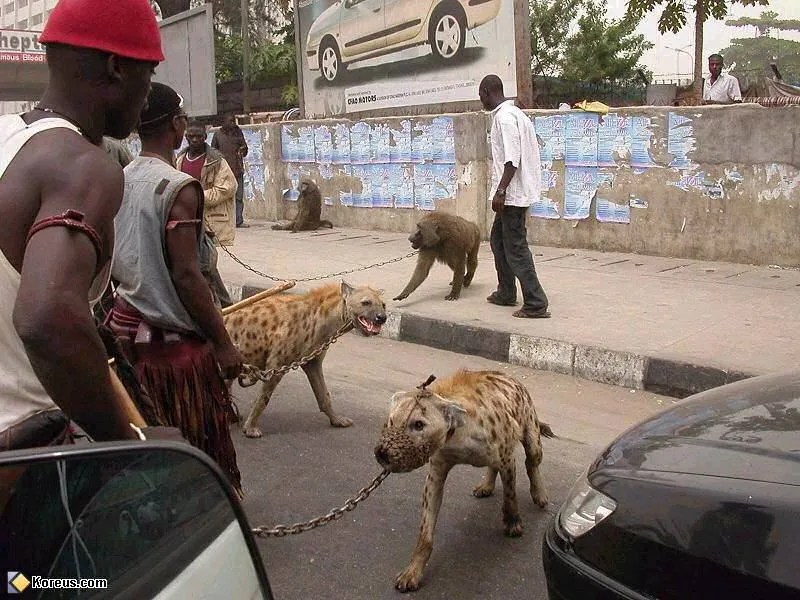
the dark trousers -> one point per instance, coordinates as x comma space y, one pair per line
513, 259
240, 200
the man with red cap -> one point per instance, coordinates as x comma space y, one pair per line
59, 192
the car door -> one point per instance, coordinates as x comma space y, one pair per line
404, 20
361, 27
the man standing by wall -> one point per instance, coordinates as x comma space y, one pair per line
516, 184
720, 88
164, 314
229, 140
210, 168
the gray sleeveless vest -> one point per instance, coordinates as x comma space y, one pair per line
140, 256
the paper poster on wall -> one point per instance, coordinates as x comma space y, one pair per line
443, 140
253, 182
379, 143
294, 172
580, 187
580, 138
424, 193
341, 144
640, 139
421, 142
323, 144
612, 139
381, 186
362, 173
255, 151
400, 143
289, 151
551, 132
305, 144
680, 141
360, 55
401, 185
360, 143
545, 207
609, 212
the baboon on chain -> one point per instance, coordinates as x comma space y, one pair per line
309, 210
449, 239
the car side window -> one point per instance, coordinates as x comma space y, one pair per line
137, 522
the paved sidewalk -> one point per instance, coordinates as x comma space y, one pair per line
671, 325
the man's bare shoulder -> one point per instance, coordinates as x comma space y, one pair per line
63, 157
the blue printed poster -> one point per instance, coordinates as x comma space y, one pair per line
551, 132
341, 144
640, 138
381, 186
363, 173
680, 141
288, 144
305, 144
580, 187
612, 137
255, 152
360, 143
609, 212
323, 144
581, 140
400, 143
401, 185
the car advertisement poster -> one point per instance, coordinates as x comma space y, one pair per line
360, 55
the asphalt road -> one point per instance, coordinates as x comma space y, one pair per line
303, 467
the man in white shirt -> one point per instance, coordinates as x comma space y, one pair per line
516, 185
720, 88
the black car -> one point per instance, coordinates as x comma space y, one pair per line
699, 501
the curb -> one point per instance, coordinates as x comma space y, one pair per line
670, 378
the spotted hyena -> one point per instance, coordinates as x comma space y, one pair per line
281, 329
472, 417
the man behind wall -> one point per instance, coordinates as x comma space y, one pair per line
229, 140
164, 313
59, 193
516, 185
720, 88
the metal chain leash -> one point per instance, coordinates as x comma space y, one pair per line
318, 277
251, 374
350, 504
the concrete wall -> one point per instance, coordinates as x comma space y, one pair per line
714, 183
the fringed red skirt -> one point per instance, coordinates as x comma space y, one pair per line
183, 381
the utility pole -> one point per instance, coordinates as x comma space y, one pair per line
245, 58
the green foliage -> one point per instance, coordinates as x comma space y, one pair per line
753, 56
766, 22
603, 49
674, 14
550, 22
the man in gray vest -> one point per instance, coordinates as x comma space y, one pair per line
164, 312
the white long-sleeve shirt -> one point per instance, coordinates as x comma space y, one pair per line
514, 140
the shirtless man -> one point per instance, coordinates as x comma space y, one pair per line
59, 192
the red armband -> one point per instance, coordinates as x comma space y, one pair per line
71, 219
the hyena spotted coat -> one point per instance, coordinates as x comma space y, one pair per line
281, 329
472, 417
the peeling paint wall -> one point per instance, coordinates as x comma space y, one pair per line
711, 182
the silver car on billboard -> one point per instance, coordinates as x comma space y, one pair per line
353, 30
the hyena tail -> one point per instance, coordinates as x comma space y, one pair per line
545, 431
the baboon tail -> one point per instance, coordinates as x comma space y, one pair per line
544, 429
326, 223
283, 226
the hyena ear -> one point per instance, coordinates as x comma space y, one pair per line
347, 289
454, 415
395, 399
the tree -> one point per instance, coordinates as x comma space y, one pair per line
674, 17
753, 55
173, 7
550, 22
603, 49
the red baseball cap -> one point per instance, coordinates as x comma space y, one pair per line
123, 27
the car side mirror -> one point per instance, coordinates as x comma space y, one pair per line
125, 520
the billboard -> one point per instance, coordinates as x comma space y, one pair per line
20, 47
360, 55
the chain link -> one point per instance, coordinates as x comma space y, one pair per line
251, 374
350, 504
318, 277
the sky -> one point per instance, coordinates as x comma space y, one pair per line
665, 61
